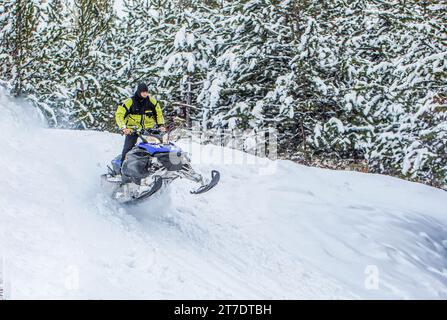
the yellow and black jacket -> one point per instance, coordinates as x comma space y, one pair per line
136, 112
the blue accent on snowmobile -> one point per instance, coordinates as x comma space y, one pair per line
154, 148
117, 162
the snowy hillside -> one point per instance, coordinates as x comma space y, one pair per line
268, 230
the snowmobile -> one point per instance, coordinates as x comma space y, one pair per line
152, 163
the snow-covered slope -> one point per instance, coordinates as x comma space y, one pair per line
271, 229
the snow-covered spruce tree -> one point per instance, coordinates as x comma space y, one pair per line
114, 86
253, 47
7, 35
192, 52
87, 80
304, 95
47, 81
33, 53
410, 139
333, 70
136, 35
275, 68
19, 20
393, 70
419, 89
237, 65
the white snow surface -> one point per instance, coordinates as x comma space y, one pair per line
270, 229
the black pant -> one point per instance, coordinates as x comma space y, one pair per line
129, 143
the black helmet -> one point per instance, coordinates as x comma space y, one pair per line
142, 87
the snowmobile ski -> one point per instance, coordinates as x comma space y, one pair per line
215, 177
156, 185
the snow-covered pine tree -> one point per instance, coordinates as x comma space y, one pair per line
51, 52
253, 49
7, 35
229, 87
192, 52
19, 20
414, 76
304, 95
87, 73
333, 71
392, 70
138, 26
122, 52
113, 84
33, 53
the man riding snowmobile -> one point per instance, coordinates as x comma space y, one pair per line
140, 112
140, 171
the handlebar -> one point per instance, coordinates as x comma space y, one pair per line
150, 131
139, 132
